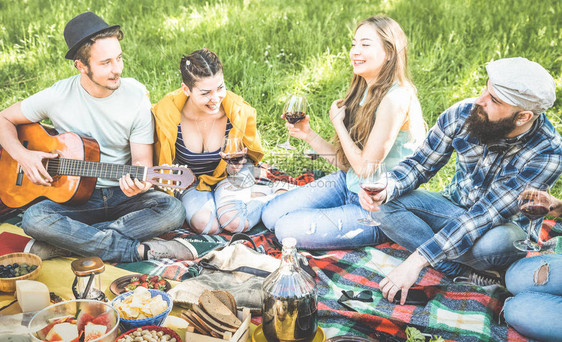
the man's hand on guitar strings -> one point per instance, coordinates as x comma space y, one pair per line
132, 187
31, 163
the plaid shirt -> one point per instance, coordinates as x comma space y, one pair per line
487, 181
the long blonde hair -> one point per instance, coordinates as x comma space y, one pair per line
359, 120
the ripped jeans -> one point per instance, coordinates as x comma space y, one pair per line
535, 309
223, 208
321, 215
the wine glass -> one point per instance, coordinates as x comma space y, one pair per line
372, 180
233, 152
534, 203
293, 111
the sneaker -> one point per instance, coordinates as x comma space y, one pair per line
480, 278
45, 250
170, 249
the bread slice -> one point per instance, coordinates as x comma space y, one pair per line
190, 318
227, 299
216, 309
211, 322
211, 331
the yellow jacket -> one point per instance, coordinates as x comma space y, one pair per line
167, 115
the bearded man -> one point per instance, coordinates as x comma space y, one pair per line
122, 215
503, 141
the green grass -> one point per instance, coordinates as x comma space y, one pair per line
271, 48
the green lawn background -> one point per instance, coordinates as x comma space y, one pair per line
272, 48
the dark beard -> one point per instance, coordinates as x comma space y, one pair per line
487, 132
90, 75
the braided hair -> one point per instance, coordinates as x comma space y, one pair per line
199, 64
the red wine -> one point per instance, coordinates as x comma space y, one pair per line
294, 117
534, 211
373, 189
234, 158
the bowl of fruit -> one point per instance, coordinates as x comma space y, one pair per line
18, 266
81, 320
132, 281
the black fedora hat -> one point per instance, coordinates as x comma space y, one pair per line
80, 28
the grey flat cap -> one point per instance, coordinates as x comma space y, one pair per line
522, 83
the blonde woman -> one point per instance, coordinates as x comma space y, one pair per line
379, 119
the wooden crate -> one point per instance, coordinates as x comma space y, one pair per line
241, 335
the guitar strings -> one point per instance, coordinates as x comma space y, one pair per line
74, 167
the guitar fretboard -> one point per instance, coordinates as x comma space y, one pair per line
83, 168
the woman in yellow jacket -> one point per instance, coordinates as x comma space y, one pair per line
191, 126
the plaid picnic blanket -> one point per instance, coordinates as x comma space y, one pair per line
454, 312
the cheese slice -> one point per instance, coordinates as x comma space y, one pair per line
32, 295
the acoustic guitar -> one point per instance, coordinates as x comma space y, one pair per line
75, 171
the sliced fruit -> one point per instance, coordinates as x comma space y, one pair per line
83, 319
77, 339
42, 334
106, 319
93, 331
63, 332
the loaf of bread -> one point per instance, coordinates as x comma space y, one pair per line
215, 308
215, 315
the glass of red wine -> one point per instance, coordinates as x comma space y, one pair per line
372, 180
534, 203
233, 152
293, 111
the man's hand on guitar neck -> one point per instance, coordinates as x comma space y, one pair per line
32, 165
132, 187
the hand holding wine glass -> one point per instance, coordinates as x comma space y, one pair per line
293, 111
234, 153
372, 180
534, 202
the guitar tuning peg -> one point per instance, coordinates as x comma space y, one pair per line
165, 165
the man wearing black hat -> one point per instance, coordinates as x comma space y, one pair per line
121, 215
503, 142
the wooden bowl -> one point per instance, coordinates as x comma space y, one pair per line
9, 284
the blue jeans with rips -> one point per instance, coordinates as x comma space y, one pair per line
222, 199
110, 225
321, 215
414, 218
535, 309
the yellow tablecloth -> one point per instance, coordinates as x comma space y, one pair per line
58, 276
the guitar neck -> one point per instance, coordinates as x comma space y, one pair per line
83, 168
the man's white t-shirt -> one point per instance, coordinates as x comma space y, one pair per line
115, 121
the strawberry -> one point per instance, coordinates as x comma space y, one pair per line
154, 279
143, 278
131, 287
161, 287
144, 284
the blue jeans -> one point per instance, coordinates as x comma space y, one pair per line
414, 218
110, 225
321, 215
244, 211
537, 305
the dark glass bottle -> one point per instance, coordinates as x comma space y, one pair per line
290, 307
